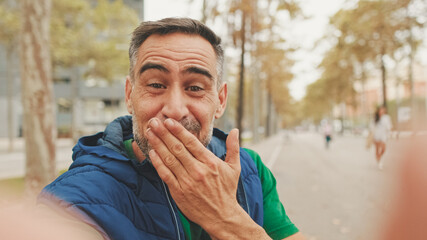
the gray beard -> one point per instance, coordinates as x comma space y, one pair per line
192, 126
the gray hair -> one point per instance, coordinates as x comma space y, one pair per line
175, 25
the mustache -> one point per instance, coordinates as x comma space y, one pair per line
191, 125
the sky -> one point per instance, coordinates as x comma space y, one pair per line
302, 33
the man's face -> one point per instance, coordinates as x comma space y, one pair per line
175, 77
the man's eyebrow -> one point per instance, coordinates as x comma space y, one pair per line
152, 66
199, 71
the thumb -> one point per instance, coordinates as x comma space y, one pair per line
233, 149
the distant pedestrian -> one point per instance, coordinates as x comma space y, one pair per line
380, 132
327, 132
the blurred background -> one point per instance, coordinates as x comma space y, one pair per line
293, 66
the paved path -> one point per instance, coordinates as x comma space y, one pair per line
330, 194
12, 164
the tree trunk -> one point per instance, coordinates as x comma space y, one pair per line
242, 76
204, 12
396, 128
384, 84
411, 43
269, 127
365, 113
76, 109
37, 95
10, 100
414, 112
256, 92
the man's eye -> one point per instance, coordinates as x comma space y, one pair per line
194, 88
156, 85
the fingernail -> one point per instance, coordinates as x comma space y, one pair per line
154, 122
169, 122
152, 153
148, 132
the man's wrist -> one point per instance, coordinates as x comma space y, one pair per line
238, 225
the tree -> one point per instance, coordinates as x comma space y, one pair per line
362, 37
81, 35
373, 27
413, 23
316, 104
95, 37
93, 41
37, 95
112, 21
271, 58
252, 23
274, 66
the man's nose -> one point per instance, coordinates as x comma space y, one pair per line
175, 105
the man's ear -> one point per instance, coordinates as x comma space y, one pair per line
222, 95
128, 94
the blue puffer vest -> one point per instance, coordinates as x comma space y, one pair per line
125, 199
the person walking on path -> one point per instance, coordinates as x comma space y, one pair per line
380, 132
327, 132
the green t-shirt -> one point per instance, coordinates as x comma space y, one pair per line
276, 223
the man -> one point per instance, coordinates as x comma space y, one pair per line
165, 173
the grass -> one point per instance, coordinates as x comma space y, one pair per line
15, 187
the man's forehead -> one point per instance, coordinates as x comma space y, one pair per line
178, 40
190, 48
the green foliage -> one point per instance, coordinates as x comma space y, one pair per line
292, 7
69, 36
317, 103
95, 36
9, 25
275, 72
92, 36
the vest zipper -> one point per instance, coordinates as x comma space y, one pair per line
173, 211
244, 191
